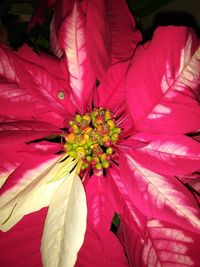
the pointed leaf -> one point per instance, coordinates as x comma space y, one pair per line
111, 34
15, 137
72, 40
123, 203
111, 92
168, 154
30, 92
131, 241
100, 247
153, 193
65, 224
35, 179
100, 208
20, 193
167, 245
164, 76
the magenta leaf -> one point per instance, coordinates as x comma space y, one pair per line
21, 245
111, 91
166, 245
124, 204
157, 196
111, 33
21, 173
15, 138
167, 154
101, 251
30, 92
72, 40
100, 208
101, 247
164, 76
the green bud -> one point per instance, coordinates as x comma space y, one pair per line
109, 150
78, 118
98, 166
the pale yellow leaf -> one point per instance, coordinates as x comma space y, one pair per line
65, 224
33, 192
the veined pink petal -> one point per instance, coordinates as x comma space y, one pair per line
100, 247
123, 202
47, 61
166, 245
30, 92
167, 154
101, 251
157, 196
132, 242
20, 246
101, 210
111, 92
192, 181
111, 33
18, 177
15, 138
162, 82
72, 40
62, 9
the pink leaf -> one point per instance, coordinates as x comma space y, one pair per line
111, 92
111, 33
123, 202
30, 92
20, 246
167, 245
168, 154
62, 9
101, 251
132, 242
164, 76
101, 210
28, 164
72, 40
100, 247
157, 196
15, 137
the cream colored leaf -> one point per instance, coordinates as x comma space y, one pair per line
3, 179
34, 191
65, 224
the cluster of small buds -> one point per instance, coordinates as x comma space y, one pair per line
91, 137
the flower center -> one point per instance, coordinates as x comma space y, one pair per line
91, 138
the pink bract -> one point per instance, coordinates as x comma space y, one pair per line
152, 94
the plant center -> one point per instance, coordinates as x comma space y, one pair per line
91, 138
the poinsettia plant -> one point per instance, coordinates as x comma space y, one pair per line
106, 126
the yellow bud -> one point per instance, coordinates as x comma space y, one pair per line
105, 138
87, 118
80, 152
105, 164
75, 128
70, 137
103, 156
86, 137
109, 150
98, 166
78, 118
111, 123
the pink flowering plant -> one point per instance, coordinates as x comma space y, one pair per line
105, 129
